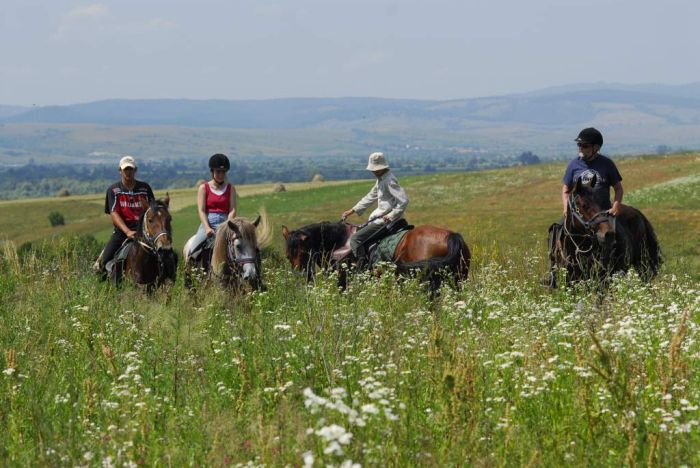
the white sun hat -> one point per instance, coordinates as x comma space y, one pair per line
377, 162
127, 161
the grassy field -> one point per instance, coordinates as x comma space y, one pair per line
501, 212
500, 372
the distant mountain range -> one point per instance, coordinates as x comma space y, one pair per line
634, 118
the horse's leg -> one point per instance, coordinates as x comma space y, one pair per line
342, 269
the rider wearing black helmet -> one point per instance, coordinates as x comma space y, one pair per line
590, 163
585, 166
216, 202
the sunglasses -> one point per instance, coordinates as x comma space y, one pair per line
583, 145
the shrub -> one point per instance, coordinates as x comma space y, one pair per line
64, 192
56, 219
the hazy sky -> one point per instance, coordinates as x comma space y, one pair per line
61, 51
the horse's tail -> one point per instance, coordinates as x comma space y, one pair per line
457, 259
264, 229
651, 254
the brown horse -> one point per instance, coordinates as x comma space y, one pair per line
426, 249
151, 260
594, 244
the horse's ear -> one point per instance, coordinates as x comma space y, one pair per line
594, 179
144, 203
234, 227
257, 221
577, 188
166, 200
285, 232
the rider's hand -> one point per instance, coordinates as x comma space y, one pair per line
210, 232
130, 234
615, 210
347, 213
386, 219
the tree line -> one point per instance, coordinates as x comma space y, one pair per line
42, 180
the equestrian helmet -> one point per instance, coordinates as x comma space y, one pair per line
219, 161
590, 135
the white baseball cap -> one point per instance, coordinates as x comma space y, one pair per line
127, 161
377, 162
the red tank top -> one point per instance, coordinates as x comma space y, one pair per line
218, 203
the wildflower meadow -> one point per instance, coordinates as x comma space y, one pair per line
496, 372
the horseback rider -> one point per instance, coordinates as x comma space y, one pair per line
588, 164
392, 202
124, 202
216, 201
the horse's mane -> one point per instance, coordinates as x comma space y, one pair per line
322, 236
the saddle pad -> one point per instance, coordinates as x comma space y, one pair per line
384, 251
123, 251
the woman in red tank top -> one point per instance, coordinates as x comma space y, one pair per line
216, 200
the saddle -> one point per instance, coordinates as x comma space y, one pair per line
115, 266
203, 250
397, 226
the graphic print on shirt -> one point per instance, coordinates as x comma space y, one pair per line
587, 177
128, 203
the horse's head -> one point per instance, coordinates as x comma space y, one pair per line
155, 224
236, 246
299, 247
586, 216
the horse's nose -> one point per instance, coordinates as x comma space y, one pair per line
249, 272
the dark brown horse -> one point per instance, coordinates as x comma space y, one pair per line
595, 244
427, 249
151, 260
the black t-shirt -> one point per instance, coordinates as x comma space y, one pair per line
128, 202
606, 174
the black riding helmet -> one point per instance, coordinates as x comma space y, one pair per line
590, 135
219, 161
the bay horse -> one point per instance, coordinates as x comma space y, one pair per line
595, 244
235, 256
151, 260
425, 249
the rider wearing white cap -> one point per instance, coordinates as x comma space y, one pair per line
392, 201
123, 202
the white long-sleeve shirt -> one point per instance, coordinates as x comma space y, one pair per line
392, 199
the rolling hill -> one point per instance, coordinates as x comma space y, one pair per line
634, 118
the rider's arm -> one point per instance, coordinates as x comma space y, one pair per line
119, 223
366, 201
565, 198
232, 204
618, 198
400, 199
202, 206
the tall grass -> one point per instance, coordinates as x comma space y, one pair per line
499, 372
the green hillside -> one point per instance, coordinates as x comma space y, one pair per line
500, 212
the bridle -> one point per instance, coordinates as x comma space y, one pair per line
588, 225
150, 241
231, 253
313, 256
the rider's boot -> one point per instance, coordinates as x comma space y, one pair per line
115, 273
361, 254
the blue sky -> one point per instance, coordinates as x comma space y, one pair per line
61, 52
